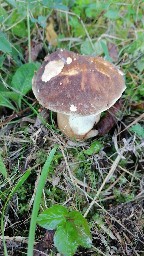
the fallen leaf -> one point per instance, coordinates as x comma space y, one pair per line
51, 35
35, 50
107, 122
113, 51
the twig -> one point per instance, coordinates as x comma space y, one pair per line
134, 122
19, 239
15, 115
113, 167
72, 177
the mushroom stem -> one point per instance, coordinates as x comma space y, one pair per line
77, 127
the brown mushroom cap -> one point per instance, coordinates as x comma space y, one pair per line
70, 83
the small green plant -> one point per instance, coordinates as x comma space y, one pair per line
11, 96
94, 148
138, 130
72, 229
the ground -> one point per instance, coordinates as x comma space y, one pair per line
102, 177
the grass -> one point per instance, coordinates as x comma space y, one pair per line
102, 177
37, 201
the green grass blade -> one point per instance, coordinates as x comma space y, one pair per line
37, 201
3, 169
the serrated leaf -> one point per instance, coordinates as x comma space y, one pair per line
82, 229
138, 129
22, 79
52, 217
5, 45
3, 169
65, 239
95, 147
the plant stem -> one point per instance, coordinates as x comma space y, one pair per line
29, 35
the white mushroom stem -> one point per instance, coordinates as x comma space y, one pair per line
77, 127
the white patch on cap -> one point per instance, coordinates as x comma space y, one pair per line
52, 69
73, 108
69, 60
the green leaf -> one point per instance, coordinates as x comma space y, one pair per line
5, 45
106, 51
72, 228
141, 89
22, 79
16, 20
2, 58
55, 4
76, 27
42, 21
95, 147
91, 10
3, 14
140, 65
6, 96
65, 239
12, 2
52, 217
82, 229
5, 102
20, 29
112, 14
10, 95
3, 169
138, 130
87, 49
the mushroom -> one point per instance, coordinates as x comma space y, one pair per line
79, 88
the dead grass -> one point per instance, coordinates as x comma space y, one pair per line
103, 187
